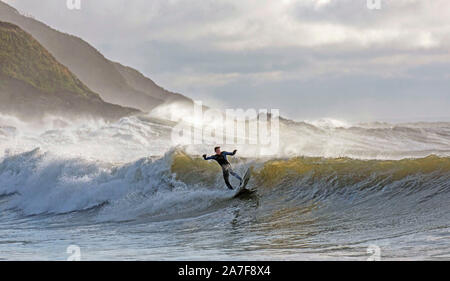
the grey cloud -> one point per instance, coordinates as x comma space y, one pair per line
185, 47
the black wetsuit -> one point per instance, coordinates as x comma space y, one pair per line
226, 166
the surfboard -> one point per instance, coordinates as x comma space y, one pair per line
241, 189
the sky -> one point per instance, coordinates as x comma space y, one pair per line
311, 59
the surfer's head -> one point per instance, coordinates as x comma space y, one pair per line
217, 149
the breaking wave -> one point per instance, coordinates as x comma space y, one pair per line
176, 184
330, 183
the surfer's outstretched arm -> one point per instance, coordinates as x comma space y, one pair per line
230, 153
207, 158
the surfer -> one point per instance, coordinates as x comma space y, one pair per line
221, 158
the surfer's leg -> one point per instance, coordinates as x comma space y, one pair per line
226, 177
236, 176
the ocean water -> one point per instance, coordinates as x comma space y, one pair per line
121, 191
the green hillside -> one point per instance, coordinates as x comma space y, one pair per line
23, 58
115, 83
34, 84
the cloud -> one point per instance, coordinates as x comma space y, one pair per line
247, 52
253, 24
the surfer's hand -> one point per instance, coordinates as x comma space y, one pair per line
204, 156
234, 151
